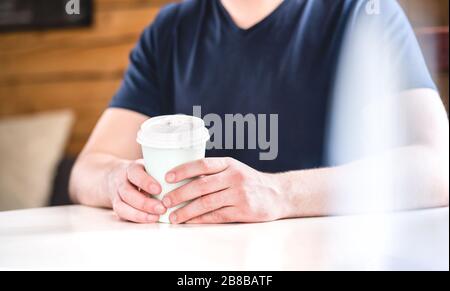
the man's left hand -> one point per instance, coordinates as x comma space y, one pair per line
225, 191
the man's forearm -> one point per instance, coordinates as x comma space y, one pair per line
405, 178
90, 182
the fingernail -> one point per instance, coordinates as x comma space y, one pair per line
166, 201
154, 189
170, 177
173, 218
160, 209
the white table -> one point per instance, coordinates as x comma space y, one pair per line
79, 237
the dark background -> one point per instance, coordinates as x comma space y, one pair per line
41, 14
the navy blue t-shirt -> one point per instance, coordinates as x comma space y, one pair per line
194, 54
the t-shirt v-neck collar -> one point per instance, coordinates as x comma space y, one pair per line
225, 15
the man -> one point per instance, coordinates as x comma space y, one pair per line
256, 56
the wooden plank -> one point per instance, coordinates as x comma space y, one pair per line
76, 69
70, 62
107, 25
113, 18
26, 98
87, 99
424, 13
103, 49
434, 43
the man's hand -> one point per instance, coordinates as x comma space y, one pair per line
131, 188
226, 191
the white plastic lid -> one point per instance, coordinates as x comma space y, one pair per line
173, 132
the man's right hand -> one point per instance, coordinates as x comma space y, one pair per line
108, 173
131, 189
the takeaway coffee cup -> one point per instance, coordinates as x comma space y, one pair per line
170, 141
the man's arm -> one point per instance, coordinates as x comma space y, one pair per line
418, 178
411, 177
108, 172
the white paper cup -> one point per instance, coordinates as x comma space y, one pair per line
170, 141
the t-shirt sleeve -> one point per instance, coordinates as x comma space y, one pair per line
405, 59
408, 58
140, 90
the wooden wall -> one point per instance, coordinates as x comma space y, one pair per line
82, 68
76, 68
424, 14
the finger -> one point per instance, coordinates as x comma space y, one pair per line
223, 215
197, 188
130, 195
138, 176
197, 168
203, 206
128, 213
